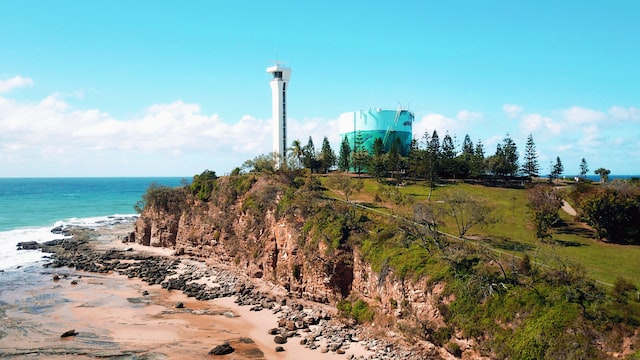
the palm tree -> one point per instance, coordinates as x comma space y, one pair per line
604, 174
295, 154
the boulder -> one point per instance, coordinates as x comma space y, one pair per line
222, 349
279, 339
58, 230
28, 245
69, 333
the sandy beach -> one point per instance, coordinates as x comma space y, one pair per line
119, 317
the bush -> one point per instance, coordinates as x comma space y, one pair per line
164, 198
203, 185
442, 335
454, 349
614, 214
622, 289
359, 310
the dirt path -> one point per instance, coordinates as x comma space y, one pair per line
568, 208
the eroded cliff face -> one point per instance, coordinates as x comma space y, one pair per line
278, 250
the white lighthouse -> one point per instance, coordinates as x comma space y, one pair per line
278, 85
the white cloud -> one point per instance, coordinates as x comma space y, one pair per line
579, 115
14, 82
54, 128
621, 113
317, 128
51, 131
466, 115
512, 111
536, 123
53, 135
437, 122
491, 143
592, 138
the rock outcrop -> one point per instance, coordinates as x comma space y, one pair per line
237, 231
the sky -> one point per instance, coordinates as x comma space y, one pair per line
171, 88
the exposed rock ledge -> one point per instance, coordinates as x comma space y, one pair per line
313, 325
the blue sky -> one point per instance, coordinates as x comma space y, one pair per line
154, 88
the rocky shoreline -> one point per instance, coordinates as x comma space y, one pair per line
313, 326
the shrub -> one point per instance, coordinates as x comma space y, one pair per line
454, 349
358, 311
622, 289
442, 335
203, 185
164, 198
614, 214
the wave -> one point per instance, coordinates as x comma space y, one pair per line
11, 258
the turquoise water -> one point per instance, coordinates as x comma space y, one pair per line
31, 207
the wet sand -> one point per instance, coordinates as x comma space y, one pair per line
118, 317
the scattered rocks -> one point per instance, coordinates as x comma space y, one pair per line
61, 230
316, 328
222, 349
279, 349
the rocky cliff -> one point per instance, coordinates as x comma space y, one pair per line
414, 286
245, 222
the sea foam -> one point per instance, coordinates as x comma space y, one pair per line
11, 258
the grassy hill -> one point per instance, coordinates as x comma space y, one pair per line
511, 233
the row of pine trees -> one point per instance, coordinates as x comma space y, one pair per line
427, 158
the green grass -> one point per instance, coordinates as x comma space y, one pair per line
512, 233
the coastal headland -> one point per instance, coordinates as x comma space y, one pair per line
101, 297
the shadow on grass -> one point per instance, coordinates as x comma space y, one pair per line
562, 227
569, 243
578, 231
511, 245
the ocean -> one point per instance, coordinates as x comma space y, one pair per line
31, 207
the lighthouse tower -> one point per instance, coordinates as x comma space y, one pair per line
278, 85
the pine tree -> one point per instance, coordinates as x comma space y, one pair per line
344, 160
415, 154
432, 157
531, 167
377, 167
557, 169
309, 157
394, 159
511, 156
327, 156
360, 156
447, 157
478, 166
378, 147
584, 168
467, 148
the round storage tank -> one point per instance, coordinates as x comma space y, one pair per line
364, 126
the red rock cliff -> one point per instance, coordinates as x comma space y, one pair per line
239, 229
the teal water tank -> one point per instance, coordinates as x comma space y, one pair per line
365, 126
